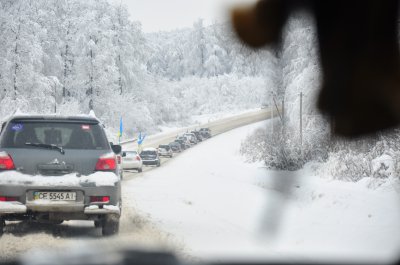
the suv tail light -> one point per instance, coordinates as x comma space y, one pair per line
106, 163
8, 199
99, 199
6, 162
138, 158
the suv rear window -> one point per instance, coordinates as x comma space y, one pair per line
69, 135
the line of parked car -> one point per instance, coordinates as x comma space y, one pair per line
133, 160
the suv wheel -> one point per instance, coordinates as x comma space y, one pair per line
140, 169
97, 223
110, 225
2, 226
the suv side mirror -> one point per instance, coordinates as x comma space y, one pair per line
123, 154
116, 148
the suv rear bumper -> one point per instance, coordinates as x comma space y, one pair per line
82, 206
13, 208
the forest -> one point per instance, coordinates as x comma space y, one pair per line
70, 57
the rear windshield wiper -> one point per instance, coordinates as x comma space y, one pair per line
47, 146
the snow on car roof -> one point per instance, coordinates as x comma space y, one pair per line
20, 114
53, 117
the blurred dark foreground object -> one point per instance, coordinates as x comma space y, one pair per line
114, 255
359, 54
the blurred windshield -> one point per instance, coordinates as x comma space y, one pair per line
267, 179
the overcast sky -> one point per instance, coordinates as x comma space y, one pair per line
158, 15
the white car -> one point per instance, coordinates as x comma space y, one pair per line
186, 139
165, 150
192, 138
132, 160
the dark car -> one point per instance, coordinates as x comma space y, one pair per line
150, 157
185, 141
198, 136
205, 132
56, 168
181, 144
176, 147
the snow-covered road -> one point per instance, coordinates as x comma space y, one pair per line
215, 205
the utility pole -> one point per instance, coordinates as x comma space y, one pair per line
272, 113
283, 117
283, 112
55, 97
301, 120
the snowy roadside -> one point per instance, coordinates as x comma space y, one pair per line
217, 206
28, 239
196, 122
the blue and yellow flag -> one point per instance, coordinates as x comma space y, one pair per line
141, 138
121, 129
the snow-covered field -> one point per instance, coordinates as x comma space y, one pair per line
216, 206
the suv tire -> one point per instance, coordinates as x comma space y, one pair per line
98, 223
110, 225
2, 226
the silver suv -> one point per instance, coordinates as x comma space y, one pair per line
56, 168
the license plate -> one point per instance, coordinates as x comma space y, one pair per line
54, 196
